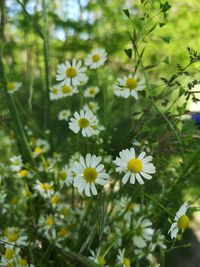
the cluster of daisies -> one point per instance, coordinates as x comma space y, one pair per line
71, 78
144, 240
72, 75
62, 188
59, 223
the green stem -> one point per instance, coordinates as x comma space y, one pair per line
157, 203
194, 158
46, 62
156, 108
28, 117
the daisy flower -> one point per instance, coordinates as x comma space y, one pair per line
71, 73
13, 235
65, 175
144, 232
47, 165
89, 172
128, 207
10, 253
122, 259
55, 93
96, 59
146, 254
97, 258
21, 262
46, 222
86, 122
91, 91
64, 115
129, 86
43, 144
13, 87
135, 168
181, 221
62, 233
67, 90
159, 240
16, 163
94, 106
45, 189
23, 173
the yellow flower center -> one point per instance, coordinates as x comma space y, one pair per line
65, 211
49, 220
92, 91
66, 89
127, 262
46, 186
183, 222
101, 260
38, 150
62, 175
90, 174
28, 193
12, 135
83, 123
10, 86
23, 173
14, 201
62, 232
130, 206
95, 58
91, 105
54, 199
33, 140
55, 90
9, 253
46, 163
12, 237
131, 83
23, 262
71, 72
134, 165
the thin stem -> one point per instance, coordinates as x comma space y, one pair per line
157, 203
181, 246
157, 109
47, 78
194, 200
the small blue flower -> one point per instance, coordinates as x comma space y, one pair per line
196, 118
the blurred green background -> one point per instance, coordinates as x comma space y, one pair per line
74, 28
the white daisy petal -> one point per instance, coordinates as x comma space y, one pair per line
93, 189
88, 160
145, 175
132, 180
142, 155
125, 178
87, 190
139, 178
